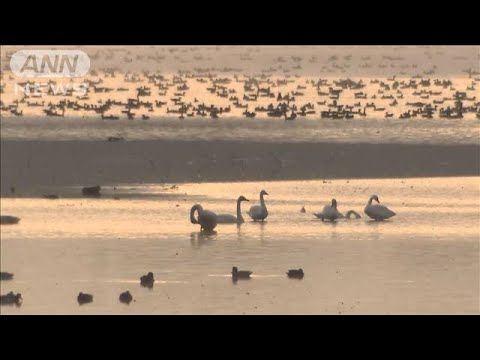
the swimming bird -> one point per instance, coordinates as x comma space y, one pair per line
296, 274
6, 276
207, 219
377, 212
11, 298
147, 280
329, 212
9, 220
92, 191
259, 212
51, 196
125, 297
243, 274
231, 219
84, 298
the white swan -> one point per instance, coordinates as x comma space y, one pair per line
350, 213
232, 219
329, 212
259, 212
207, 219
377, 212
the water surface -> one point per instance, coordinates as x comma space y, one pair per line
425, 260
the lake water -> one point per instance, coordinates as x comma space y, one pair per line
424, 260
426, 131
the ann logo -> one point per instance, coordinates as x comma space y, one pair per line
55, 65
49, 63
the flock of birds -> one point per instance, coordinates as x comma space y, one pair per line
278, 91
286, 104
126, 297
208, 220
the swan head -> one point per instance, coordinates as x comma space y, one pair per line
334, 203
375, 197
196, 207
263, 192
243, 198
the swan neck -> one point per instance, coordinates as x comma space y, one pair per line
239, 212
262, 202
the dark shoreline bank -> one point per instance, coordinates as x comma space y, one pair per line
31, 164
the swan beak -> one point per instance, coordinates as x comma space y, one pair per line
247, 200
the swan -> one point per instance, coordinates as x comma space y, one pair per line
329, 212
377, 212
231, 219
349, 214
207, 219
259, 212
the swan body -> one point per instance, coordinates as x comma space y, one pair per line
377, 212
207, 219
226, 219
232, 219
329, 212
259, 212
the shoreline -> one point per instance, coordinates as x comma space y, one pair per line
32, 165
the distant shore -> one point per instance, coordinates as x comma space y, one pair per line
32, 166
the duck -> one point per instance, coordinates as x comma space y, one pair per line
243, 274
232, 219
6, 276
125, 297
207, 219
11, 298
329, 212
147, 280
295, 274
259, 212
91, 191
83, 298
51, 196
377, 212
9, 220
